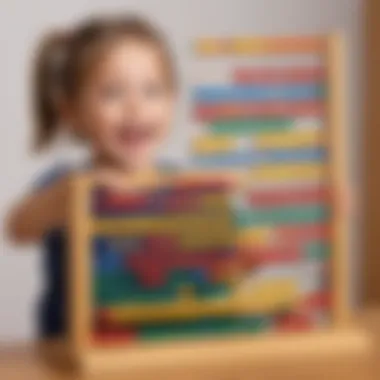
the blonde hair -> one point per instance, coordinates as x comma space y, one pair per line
63, 59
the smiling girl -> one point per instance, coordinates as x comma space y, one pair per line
112, 83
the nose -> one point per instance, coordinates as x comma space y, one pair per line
134, 106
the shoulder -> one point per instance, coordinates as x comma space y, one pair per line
52, 174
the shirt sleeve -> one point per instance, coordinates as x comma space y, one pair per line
50, 176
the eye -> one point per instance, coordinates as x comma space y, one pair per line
112, 91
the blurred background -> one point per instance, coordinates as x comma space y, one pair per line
22, 24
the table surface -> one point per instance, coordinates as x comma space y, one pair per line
19, 363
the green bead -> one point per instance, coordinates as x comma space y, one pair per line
202, 327
247, 127
212, 290
281, 215
318, 250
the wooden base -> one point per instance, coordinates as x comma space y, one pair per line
164, 359
57, 355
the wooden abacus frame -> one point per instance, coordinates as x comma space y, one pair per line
149, 358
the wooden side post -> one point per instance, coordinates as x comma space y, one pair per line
336, 124
79, 282
371, 156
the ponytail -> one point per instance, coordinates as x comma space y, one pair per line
48, 87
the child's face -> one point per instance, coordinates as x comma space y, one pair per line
125, 109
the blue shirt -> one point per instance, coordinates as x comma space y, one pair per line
51, 314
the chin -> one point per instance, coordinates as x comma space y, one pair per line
136, 161
135, 157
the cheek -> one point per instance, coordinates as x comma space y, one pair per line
101, 118
161, 113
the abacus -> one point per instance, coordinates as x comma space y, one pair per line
197, 269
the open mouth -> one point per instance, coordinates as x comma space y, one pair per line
135, 134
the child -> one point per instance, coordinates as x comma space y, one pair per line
112, 82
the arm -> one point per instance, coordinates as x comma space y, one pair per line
39, 212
